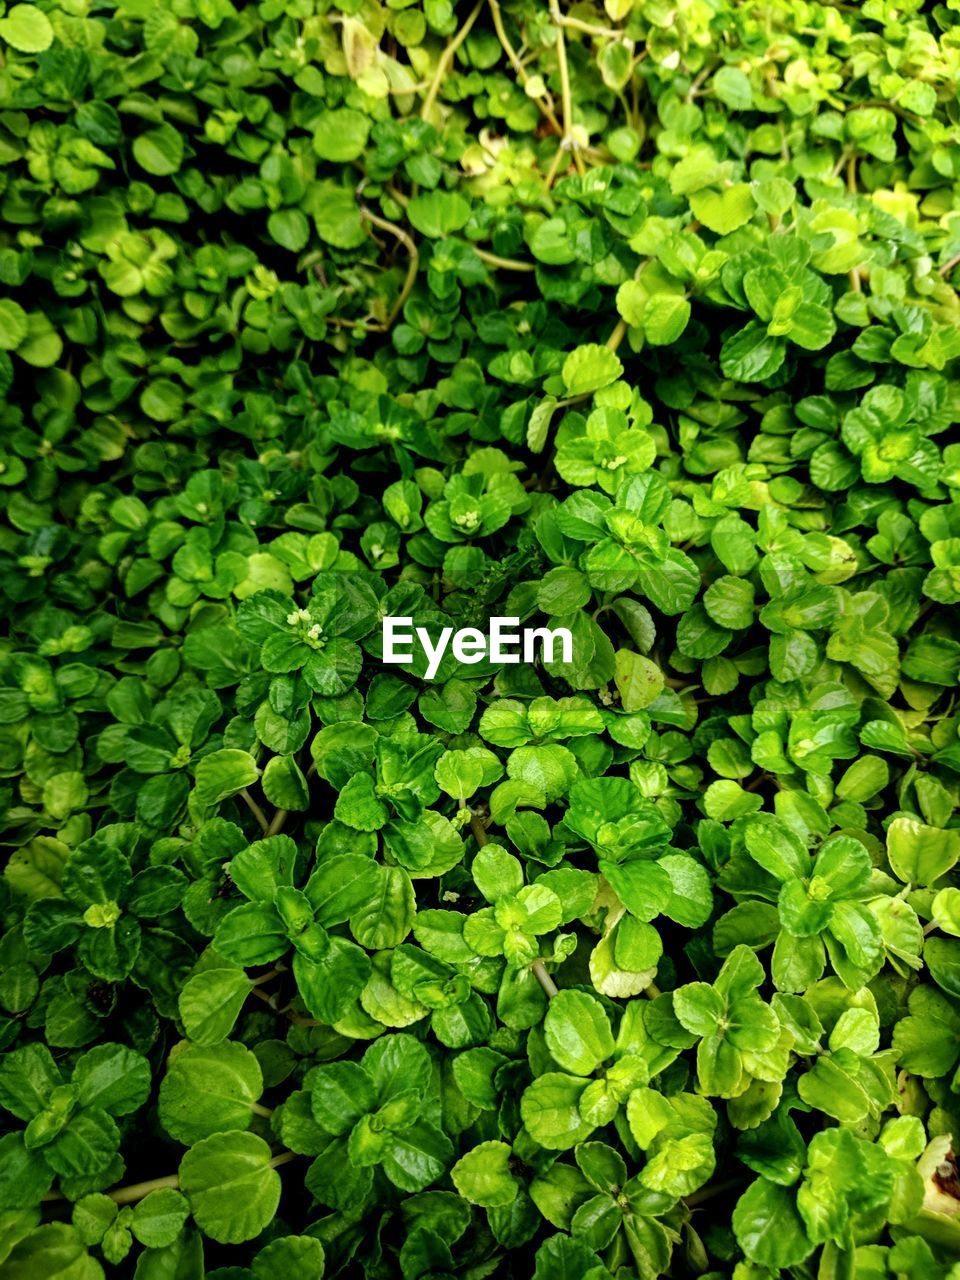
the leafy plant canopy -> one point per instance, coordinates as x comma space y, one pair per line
636, 319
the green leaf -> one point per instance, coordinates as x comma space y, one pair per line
751, 355
223, 773
25, 1176
665, 317
340, 135
26, 29
209, 1089
438, 213
231, 1187
296, 1257
550, 1108
210, 1003
53, 1250
589, 368
159, 1217
159, 151
112, 1077
577, 1032
483, 1176
733, 89
919, 854
13, 318
639, 680
768, 1227
290, 229
724, 211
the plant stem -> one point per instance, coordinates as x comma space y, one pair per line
254, 808
948, 266
617, 335
545, 104
295, 1018
566, 97
537, 969
541, 975
277, 822
504, 264
588, 28
478, 829
554, 165
708, 1192
407, 241
699, 78
651, 991
445, 59
138, 1190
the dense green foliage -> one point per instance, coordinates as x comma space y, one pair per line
639, 320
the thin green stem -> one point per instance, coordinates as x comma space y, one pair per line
445, 59
139, 1190
255, 809
617, 336
545, 104
407, 241
295, 1018
268, 976
503, 264
560, 152
541, 975
588, 28
277, 822
566, 95
709, 1192
478, 829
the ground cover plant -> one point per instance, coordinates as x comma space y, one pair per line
639, 319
